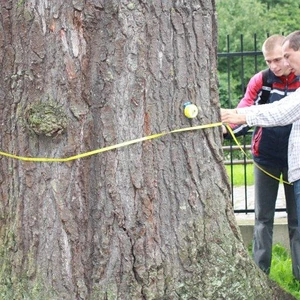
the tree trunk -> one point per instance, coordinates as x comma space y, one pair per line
151, 220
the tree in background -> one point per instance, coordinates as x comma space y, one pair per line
242, 20
147, 221
236, 17
290, 7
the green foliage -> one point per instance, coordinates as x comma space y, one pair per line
238, 154
226, 93
248, 17
239, 21
240, 17
284, 15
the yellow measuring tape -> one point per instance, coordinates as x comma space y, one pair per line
135, 141
146, 138
259, 167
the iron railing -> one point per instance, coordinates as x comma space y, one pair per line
238, 67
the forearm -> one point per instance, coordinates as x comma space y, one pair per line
281, 113
230, 116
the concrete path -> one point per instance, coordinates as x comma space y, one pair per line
239, 202
246, 221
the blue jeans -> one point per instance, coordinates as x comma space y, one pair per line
297, 198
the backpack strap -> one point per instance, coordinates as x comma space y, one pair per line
266, 87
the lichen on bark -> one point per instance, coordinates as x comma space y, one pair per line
46, 118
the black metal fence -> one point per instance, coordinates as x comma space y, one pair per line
235, 68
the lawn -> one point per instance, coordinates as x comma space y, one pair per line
239, 172
281, 270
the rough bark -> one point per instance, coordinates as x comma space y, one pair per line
147, 221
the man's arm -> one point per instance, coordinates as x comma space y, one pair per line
231, 116
279, 113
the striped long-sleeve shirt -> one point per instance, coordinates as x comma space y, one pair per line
280, 113
269, 146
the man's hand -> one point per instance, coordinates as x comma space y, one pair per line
231, 116
224, 129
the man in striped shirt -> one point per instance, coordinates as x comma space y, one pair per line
280, 113
269, 147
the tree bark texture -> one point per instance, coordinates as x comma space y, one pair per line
150, 220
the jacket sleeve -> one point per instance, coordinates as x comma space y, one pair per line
279, 113
251, 97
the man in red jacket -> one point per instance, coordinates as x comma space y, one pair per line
270, 149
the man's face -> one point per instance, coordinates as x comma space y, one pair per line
292, 58
276, 61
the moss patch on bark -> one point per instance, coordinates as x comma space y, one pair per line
47, 118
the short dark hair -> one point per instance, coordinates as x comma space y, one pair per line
294, 40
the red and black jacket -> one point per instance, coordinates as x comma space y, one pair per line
269, 144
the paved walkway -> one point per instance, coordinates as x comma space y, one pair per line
239, 202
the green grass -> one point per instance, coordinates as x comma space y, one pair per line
281, 271
239, 172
